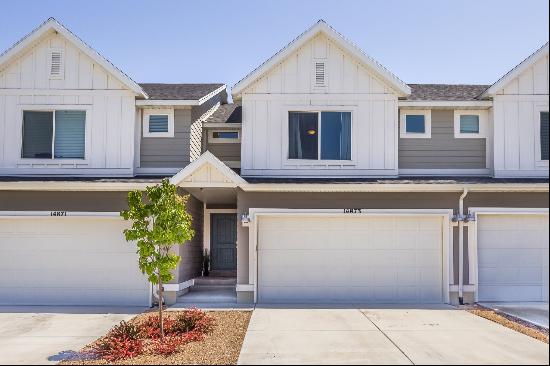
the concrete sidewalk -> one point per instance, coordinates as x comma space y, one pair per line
48, 335
533, 312
383, 335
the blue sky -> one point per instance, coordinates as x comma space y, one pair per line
421, 41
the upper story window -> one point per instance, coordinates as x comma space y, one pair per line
56, 134
158, 123
224, 136
319, 135
415, 124
470, 123
56, 64
544, 135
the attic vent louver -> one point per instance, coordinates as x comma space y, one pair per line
319, 74
56, 64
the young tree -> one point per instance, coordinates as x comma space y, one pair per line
159, 222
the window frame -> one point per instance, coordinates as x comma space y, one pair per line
427, 113
158, 112
217, 140
319, 134
52, 108
483, 118
543, 107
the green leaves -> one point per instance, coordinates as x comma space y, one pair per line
159, 222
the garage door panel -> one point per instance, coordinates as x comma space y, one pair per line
375, 259
69, 261
512, 257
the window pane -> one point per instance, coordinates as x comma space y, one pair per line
225, 134
158, 123
37, 135
336, 136
302, 135
544, 135
415, 123
70, 127
469, 124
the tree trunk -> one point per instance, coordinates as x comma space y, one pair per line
161, 302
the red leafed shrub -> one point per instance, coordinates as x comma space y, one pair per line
150, 326
113, 348
167, 345
193, 320
125, 330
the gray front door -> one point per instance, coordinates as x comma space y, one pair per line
223, 245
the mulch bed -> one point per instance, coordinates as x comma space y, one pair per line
220, 347
519, 325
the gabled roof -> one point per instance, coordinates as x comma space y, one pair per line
207, 170
322, 27
446, 92
230, 113
52, 25
516, 71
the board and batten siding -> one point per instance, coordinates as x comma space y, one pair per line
442, 150
289, 86
517, 110
109, 106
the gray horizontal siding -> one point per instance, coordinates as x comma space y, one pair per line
225, 152
442, 150
168, 152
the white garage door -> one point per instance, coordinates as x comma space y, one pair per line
68, 261
512, 257
350, 259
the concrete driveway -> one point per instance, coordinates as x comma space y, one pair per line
419, 335
47, 335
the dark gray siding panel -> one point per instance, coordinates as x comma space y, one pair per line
442, 151
63, 201
168, 152
225, 152
191, 252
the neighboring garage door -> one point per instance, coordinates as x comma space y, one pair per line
68, 261
360, 259
512, 257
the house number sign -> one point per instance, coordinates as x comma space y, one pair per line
58, 213
352, 210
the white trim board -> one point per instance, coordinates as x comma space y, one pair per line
52, 25
447, 239
473, 238
58, 214
322, 27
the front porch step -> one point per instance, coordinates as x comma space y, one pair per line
223, 273
209, 294
215, 281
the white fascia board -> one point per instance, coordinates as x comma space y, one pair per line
516, 71
170, 102
483, 104
322, 27
208, 158
72, 186
53, 25
354, 187
211, 94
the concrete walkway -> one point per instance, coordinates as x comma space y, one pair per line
48, 335
383, 335
533, 312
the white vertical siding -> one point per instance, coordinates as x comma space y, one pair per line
517, 110
350, 86
25, 84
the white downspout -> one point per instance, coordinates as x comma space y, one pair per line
461, 246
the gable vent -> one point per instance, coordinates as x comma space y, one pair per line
320, 74
56, 64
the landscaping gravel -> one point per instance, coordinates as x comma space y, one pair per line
511, 322
221, 347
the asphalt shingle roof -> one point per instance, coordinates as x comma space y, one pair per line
178, 91
447, 92
227, 113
